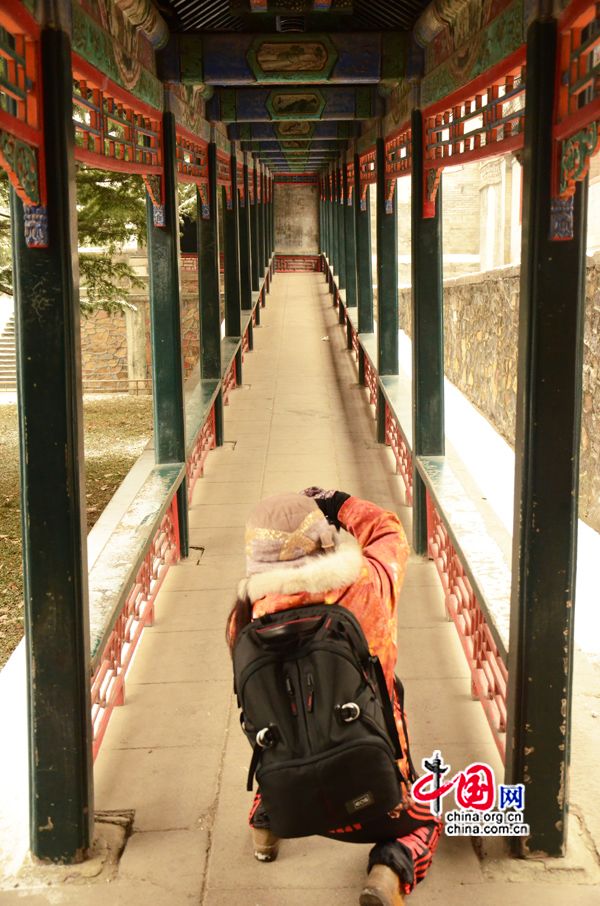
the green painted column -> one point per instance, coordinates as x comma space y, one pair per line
322, 219
428, 332
272, 208
387, 272
245, 240
350, 232
547, 444
231, 242
331, 220
61, 805
260, 210
254, 233
165, 316
270, 213
364, 259
335, 210
264, 208
341, 237
208, 286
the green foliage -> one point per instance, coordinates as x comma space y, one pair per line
111, 209
187, 200
107, 283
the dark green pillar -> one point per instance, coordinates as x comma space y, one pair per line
340, 203
61, 806
547, 446
269, 216
245, 240
364, 259
264, 207
350, 231
233, 313
322, 227
255, 239
387, 272
165, 315
332, 221
335, 208
272, 211
259, 220
208, 286
428, 332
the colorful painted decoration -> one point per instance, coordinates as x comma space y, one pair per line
231, 59
283, 105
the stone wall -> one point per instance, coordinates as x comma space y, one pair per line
296, 219
116, 348
480, 336
104, 351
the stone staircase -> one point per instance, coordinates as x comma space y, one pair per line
8, 357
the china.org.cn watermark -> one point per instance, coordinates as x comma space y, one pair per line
483, 808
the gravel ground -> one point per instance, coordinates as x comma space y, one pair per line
117, 428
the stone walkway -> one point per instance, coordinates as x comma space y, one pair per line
174, 754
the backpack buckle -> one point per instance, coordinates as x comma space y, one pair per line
265, 738
348, 713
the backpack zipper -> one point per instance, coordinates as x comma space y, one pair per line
303, 709
291, 695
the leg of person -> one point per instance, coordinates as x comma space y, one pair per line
397, 865
265, 843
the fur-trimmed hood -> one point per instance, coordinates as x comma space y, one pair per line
320, 573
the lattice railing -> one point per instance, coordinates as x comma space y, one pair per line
297, 263
108, 681
371, 381
489, 675
577, 114
21, 135
404, 466
486, 121
229, 382
205, 442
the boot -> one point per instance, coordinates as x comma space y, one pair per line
265, 843
382, 888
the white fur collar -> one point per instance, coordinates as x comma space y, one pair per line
320, 573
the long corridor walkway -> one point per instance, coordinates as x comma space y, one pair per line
174, 754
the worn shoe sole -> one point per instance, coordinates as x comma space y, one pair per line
266, 853
372, 897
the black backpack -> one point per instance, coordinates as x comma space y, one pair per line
316, 710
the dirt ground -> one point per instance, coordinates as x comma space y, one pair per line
116, 430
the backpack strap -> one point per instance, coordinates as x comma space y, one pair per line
265, 739
388, 708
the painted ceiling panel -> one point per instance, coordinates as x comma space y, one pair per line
216, 15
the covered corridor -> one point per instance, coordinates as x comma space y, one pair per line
174, 757
277, 381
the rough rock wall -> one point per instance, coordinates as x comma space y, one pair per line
480, 336
116, 348
104, 351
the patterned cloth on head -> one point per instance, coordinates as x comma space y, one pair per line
286, 528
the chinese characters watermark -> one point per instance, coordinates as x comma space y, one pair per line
475, 795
